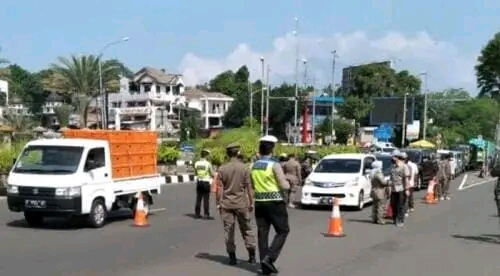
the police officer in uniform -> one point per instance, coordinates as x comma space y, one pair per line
269, 185
235, 202
204, 174
293, 175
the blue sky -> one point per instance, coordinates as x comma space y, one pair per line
202, 38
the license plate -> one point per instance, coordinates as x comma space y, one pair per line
34, 204
326, 200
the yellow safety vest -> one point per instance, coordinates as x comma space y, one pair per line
265, 186
202, 169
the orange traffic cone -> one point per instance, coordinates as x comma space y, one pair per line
140, 218
388, 211
429, 196
335, 229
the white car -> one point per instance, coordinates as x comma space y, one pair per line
342, 176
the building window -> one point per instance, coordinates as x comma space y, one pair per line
147, 87
158, 90
133, 87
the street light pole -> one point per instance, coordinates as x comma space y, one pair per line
104, 98
251, 102
267, 99
262, 99
296, 103
334, 53
424, 134
403, 131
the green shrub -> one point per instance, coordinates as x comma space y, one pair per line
7, 155
248, 138
168, 154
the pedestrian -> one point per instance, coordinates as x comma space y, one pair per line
235, 203
204, 173
283, 158
269, 185
399, 179
293, 175
445, 181
410, 202
378, 192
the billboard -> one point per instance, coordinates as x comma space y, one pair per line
390, 111
347, 73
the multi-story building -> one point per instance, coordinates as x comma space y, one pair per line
53, 101
212, 105
150, 90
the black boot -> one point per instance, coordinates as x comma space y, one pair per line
232, 259
267, 265
251, 255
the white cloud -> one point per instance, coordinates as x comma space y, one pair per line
446, 66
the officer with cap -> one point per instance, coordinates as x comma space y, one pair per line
269, 185
235, 203
399, 181
204, 174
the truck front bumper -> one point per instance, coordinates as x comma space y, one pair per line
49, 206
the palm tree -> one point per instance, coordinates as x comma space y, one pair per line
4, 72
79, 75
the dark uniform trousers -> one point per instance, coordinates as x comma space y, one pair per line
398, 206
202, 194
266, 214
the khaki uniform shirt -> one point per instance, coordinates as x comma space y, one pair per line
399, 175
292, 171
234, 180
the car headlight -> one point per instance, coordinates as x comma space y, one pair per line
12, 189
354, 182
307, 182
72, 191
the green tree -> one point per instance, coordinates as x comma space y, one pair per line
62, 114
488, 69
343, 128
354, 108
80, 75
26, 86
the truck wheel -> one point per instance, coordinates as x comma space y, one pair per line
98, 214
33, 219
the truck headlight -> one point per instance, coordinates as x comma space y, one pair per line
12, 189
70, 192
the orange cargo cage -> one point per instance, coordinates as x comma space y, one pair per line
133, 153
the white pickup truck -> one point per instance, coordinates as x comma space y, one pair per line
72, 177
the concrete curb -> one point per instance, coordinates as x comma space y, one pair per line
179, 178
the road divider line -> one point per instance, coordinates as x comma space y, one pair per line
475, 184
157, 210
464, 179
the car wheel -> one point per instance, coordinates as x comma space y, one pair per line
361, 200
33, 219
98, 214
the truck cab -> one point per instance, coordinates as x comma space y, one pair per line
72, 177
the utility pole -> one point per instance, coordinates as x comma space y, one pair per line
426, 92
296, 103
250, 91
262, 99
313, 125
267, 99
334, 53
403, 131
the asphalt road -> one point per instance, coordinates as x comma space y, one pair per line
460, 236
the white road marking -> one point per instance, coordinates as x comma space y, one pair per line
463, 182
157, 210
476, 184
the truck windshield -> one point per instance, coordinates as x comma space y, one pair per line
49, 159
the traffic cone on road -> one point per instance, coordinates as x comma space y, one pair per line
429, 196
335, 229
140, 217
388, 211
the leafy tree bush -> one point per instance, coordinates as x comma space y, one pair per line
167, 154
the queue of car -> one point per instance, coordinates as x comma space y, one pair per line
347, 176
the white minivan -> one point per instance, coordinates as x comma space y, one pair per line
342, 176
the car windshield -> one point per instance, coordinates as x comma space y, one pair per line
338, 166
49, 159
414, 156
386, 162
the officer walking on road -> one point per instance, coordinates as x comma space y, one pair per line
235, 202
269, 184
378, 193
293, 175
399, 180
204, 174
